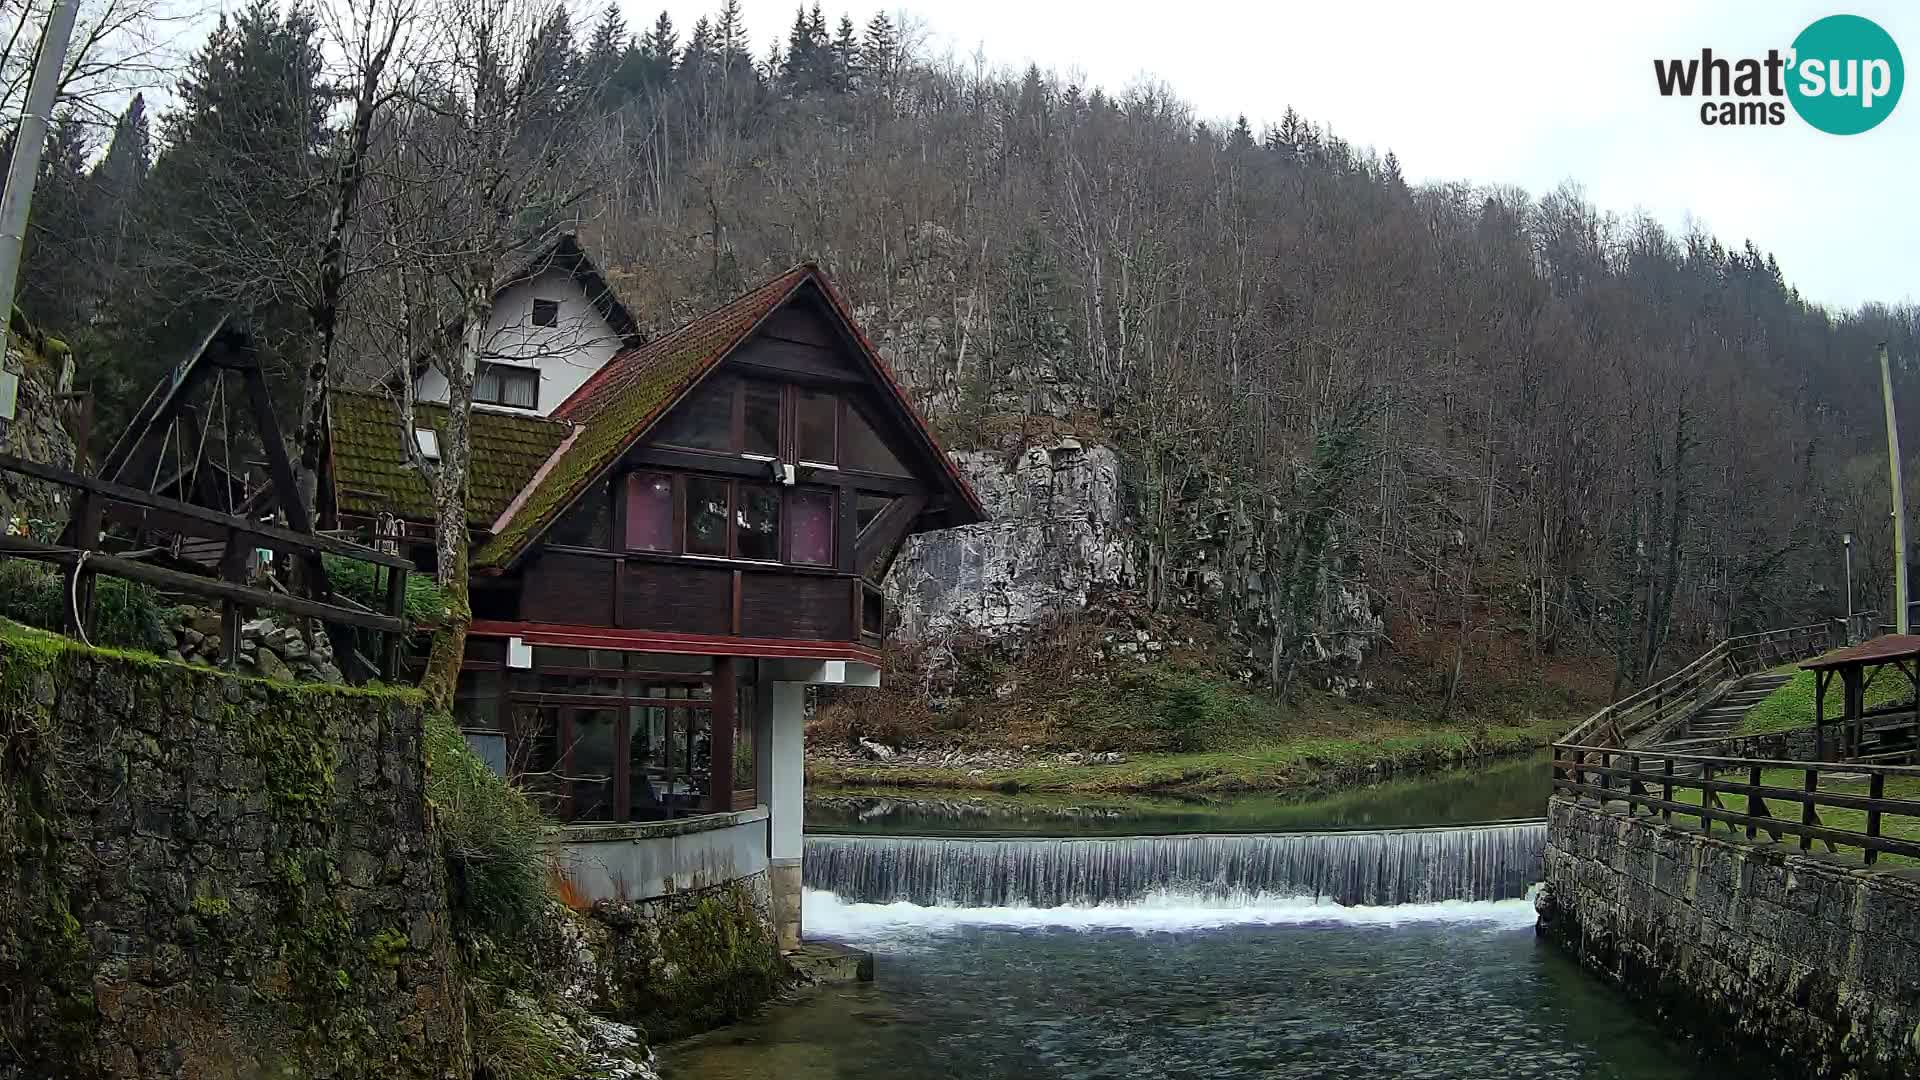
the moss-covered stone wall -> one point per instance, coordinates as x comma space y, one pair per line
203, 875
1802, 963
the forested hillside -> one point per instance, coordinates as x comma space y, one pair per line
1522, 427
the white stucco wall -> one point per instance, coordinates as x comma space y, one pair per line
576, 346
643, 860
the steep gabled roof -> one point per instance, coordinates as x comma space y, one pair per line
564, 252
623, 400
371, 472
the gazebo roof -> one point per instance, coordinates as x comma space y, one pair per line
1884, 649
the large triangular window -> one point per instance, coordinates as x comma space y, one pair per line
864, 450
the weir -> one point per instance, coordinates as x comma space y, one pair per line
1401, 866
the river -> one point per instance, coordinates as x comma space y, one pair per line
1130, 946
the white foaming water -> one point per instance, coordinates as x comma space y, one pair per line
827, 915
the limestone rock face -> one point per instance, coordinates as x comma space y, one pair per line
1056, 534
37, 435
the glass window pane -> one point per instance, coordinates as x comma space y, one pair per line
476, 699
642, 661
866, 508
520, 388
757, 522
743, 771
704, 421
547, 656
588, 523
649, 512
811, 513
486, 650
817, 412
647, 763
533, 753
762, 418
486, 384
866, 451
591, 769
706, 516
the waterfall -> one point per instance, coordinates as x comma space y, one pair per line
1403, 866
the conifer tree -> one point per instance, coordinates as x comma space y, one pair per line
660, 49
56, 264
600, 66
846, 56
234, 213
879, 53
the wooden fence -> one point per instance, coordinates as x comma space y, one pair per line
1662, 704
82, 550
1740, 794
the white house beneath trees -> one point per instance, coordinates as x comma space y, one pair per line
672, 538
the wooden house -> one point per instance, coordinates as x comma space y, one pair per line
667, 549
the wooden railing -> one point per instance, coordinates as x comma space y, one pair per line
81, 549
1666, 702
1737, 793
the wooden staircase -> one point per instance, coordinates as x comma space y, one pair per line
1720, 719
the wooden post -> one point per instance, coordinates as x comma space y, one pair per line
725, 721
1706, 796
83, 532
1820, 679
397, 607
1807, 816
1755, 806
1666, 790
1876, 790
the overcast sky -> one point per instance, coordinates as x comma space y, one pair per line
1498, 92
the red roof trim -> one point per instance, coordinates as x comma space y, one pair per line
562, 635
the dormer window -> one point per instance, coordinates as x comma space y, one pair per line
546, 313
508, 385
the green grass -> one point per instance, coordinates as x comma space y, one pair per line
1274, 763
360, 581
1791, 706
1896, 826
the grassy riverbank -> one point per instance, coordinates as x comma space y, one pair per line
1308, 760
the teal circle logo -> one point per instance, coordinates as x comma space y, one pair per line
1846, 75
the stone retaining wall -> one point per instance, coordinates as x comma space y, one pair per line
1812, 962
203, 875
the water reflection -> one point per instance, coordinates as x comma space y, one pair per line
1516, 788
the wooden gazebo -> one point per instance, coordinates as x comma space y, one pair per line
1861, 729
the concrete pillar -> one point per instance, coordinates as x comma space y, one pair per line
786, 805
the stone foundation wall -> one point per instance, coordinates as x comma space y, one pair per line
1809, 961
671, 966
203, 875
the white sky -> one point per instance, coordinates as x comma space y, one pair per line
1529, 94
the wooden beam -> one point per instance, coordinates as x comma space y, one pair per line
136, 497
174, 579
887, 531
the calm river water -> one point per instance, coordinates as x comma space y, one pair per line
1193, 980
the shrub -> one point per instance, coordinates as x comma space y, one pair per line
362, 583
492, 838
126, 615
513, 1039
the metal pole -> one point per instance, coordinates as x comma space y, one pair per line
1847, 543
28, 142
1899, 502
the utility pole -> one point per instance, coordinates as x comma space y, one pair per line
1899, 502
28, 142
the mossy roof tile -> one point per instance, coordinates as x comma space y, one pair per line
624, 398
372, 473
